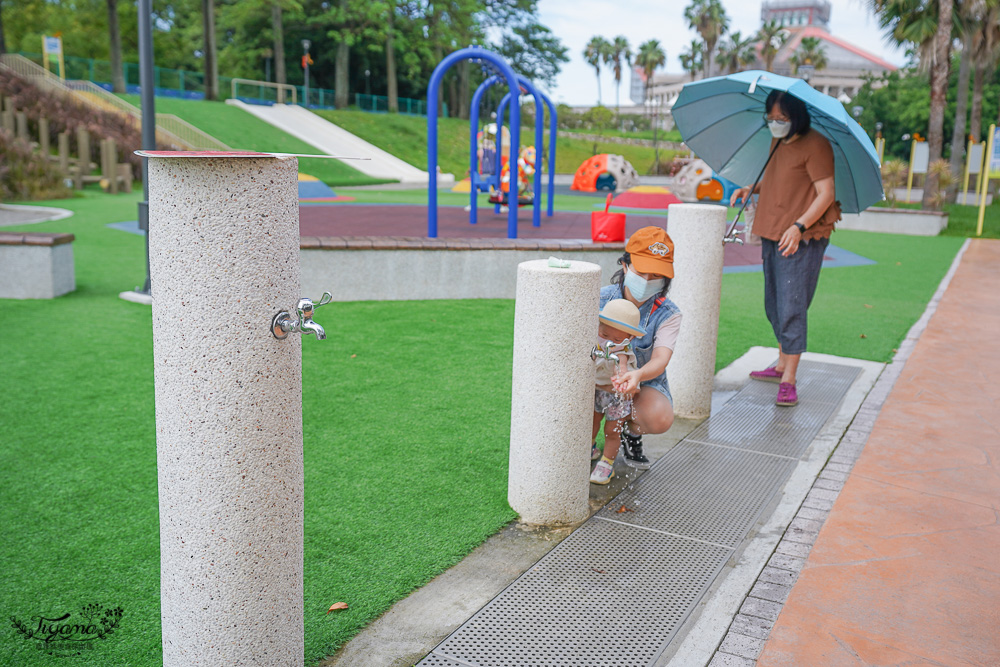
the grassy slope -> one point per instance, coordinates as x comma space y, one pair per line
243, 131
406, 138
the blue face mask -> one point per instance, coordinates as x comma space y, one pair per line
640, 288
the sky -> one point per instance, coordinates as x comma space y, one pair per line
576, 21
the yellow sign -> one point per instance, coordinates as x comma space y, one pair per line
52, 50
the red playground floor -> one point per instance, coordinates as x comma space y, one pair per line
396, 220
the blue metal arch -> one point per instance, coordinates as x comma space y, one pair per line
471, 53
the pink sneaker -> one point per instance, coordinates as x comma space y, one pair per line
787, 394
767, 375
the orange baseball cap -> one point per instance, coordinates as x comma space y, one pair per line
652, 251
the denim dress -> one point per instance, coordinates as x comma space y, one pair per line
652, 314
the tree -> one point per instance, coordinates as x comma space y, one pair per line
278, 38
772, 36
939, 85
210, 51
985, 52
736, 53
927, 24
619, 50
534, 52
594, 54
650, 58
810, 53
115, 48
709, 19
691, 59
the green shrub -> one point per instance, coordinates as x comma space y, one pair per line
26, 174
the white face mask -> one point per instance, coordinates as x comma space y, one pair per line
640, 288
779, 128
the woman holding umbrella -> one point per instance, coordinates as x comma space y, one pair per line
795, 216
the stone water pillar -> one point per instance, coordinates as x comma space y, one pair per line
224, 258
697, 231
552, 402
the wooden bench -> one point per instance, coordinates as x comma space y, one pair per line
35, 265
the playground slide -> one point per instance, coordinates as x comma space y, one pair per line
330, 139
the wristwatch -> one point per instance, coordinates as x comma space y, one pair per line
802, 228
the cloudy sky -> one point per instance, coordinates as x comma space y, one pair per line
576, 21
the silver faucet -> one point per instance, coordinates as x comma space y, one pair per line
282, 324
606, 353
306, 324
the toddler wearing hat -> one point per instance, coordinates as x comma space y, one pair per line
619, 324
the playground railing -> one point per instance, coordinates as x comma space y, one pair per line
380, 104
169, 128
264, 91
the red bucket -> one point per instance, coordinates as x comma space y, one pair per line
607, 227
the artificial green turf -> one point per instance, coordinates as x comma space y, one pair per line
405, 441
244, 131
405, 448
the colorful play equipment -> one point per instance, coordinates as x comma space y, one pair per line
646, 196
528, 195
525, 171
605, 172
696, 182
480, 55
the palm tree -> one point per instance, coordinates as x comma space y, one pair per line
772, 36
939, 99
617, 51
650, 57
594, 53
736, 53
984, 54
927, 24
691, 59
708, 18
811, 53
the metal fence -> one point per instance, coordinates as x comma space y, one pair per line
191, 85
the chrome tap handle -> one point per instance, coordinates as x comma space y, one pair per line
283, 324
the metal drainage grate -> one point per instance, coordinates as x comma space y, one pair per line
616, 591
607, 595
751, 420
708, 493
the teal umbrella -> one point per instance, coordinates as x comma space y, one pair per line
722, 120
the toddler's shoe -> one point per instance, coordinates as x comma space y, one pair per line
603, 472
787, 395
632, 446
767, 375
595, 453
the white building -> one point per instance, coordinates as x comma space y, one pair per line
847, 64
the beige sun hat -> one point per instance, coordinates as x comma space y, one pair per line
622, 315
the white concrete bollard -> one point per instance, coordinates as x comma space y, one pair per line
697, 231
552, 402
224, 259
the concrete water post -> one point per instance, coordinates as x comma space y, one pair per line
697, 231
224, 256
552, 397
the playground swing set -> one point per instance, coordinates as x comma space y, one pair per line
489, 172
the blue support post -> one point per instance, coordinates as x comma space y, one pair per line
471, 53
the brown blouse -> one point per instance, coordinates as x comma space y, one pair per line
787, 190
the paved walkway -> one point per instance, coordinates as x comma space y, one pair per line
906, 568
